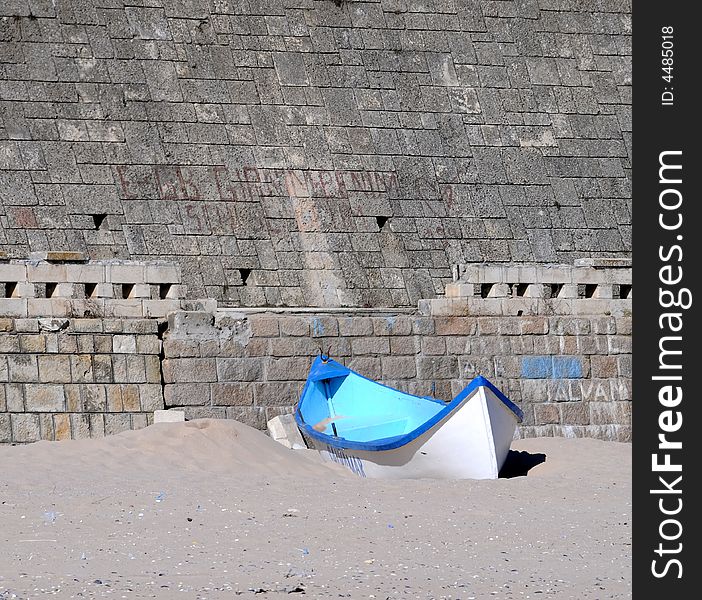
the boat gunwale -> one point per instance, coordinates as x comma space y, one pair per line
391, 443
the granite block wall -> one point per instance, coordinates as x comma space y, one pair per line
556, 339
570, 375
77, 378
316, 152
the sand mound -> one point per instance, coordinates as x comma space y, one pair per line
196, 448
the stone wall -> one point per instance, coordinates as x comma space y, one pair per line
75, 378
316, 152
570, 375
556, 339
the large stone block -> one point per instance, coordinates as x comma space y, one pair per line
283, 429
46, 427
80, 426
370, 345
187, 394
398, 367
283, 346
9, 343
81, 368
136, 371
287, 369
131, 394
169, 416
22, 367
93, 397
124, 344
239, 369
455, 325
437, 367
253, 416
392, 325
5, 429
277, 394
25, 428
180, 348
117, 423
295, 326
232, 394
14, 307
54, 368
189, 370
355, 326
264, 326
546, 413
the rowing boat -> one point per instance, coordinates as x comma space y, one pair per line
380, 432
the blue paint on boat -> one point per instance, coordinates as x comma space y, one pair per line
369, 415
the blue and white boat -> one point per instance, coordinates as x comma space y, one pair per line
377, 431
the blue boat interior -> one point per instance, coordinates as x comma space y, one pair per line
345, 409
364, 409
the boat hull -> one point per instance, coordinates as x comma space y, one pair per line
471, 442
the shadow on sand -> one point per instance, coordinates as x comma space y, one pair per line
519, 463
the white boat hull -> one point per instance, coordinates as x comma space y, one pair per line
471, 442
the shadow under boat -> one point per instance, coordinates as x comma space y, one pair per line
519, 462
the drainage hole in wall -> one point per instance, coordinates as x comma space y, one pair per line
244, 273
99, 220
519, 289
381, 221
556, 289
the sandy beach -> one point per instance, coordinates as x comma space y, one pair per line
213, 509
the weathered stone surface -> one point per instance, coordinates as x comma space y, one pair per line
398, 367
232, 394
169, 416
130, 396
287, 369
239, 369
124, 344
187, 394
54, 368
5, 429
253, 416
116, 423
188, 370
22, 367
25, 427
93, 397
437, 367
283, 429
277, 394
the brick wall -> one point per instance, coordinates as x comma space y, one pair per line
76, 378
555, 338
62, 378
570, 375
316, 153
